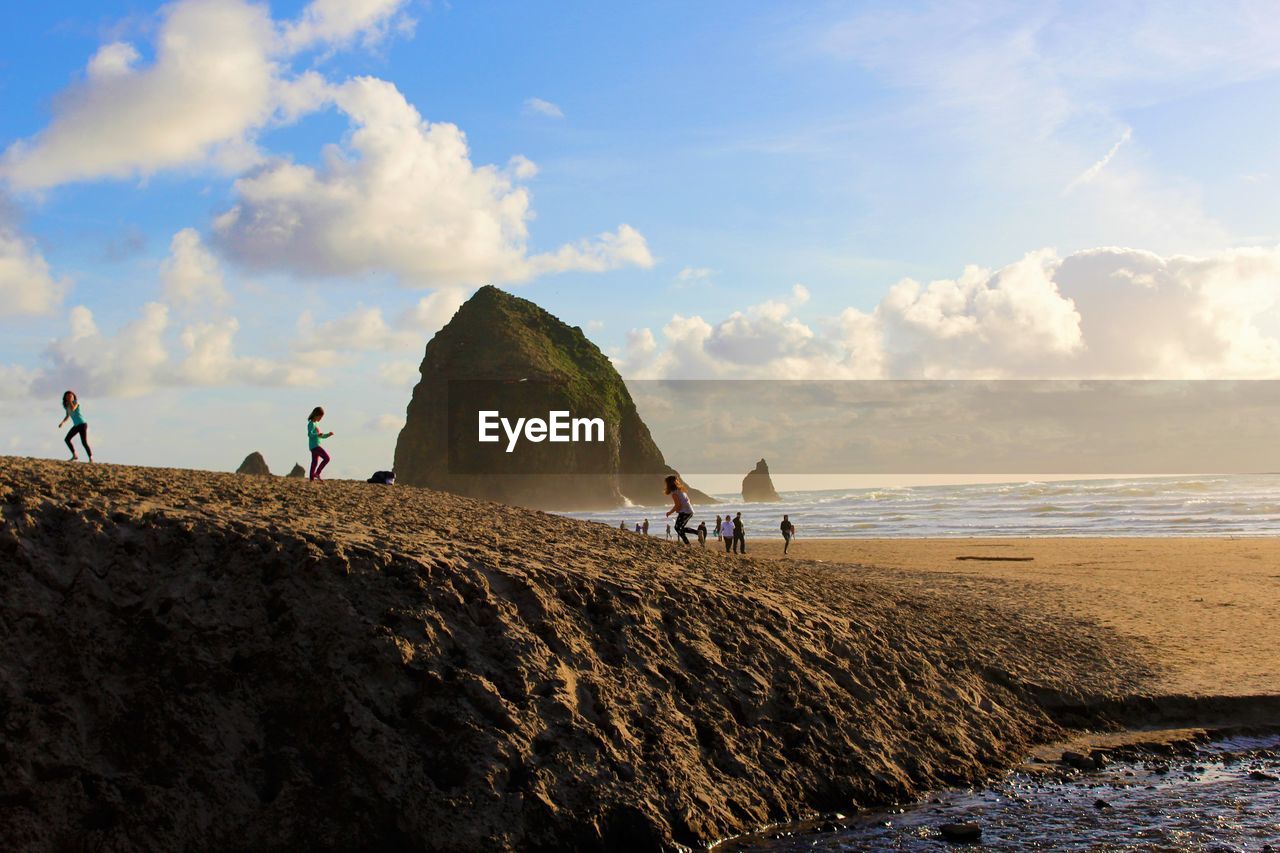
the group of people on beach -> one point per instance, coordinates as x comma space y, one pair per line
730, 530
80, 427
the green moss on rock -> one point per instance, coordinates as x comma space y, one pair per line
514, 355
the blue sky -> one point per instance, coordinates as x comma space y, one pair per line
216, 214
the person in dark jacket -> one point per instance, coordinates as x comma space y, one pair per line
788, 530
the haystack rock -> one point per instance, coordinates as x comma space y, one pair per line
298, 472
757, 487
501, 353
254, 464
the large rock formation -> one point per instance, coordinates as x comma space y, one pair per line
254, 464
207, 661
506, 354
757, 486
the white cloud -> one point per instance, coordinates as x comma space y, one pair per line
15, 382
403, 197
191, 275
210, 83
112, 60
1092, 172
337, 22
1101, 313
694, 275
385, 423
537, 106
365, 329
26, 285
139, 358
219, 74
399, 374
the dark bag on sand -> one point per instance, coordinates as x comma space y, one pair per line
386, 478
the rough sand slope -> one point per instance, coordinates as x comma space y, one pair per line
203, 660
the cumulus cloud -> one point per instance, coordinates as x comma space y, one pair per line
141, 357
1101, 313
537, 106
763, 340
218, 75
338, 22
15, 382
26, 284
191, 275
365, 329
402, 197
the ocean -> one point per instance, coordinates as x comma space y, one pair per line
1225, 505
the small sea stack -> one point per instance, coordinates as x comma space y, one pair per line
757, 487
254, 464
298, 472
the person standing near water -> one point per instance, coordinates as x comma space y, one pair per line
718, 523
319, 458
739, 535
71, 406
726, 533
788, 530
645, 527
680, 506
702, 534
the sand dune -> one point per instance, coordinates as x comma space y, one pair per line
206, 660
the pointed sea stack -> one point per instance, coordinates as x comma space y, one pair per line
499, 347
254, 464
757, 487
298, 472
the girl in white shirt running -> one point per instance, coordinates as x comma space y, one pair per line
679, 505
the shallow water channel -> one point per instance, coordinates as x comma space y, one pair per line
1223, 796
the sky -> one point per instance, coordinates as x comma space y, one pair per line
217, 214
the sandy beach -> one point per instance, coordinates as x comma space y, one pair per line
196, 659
1208, 608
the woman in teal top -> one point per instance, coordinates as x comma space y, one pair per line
319, 458
71, 405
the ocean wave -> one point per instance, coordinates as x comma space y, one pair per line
1143, 506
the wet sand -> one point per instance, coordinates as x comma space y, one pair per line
1210, 607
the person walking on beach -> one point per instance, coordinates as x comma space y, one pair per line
71, 406
319, 458
726, 533
638, 528
622, 525
702, 534
788, 530
739, 535
718, 523
680, 506
645, 527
